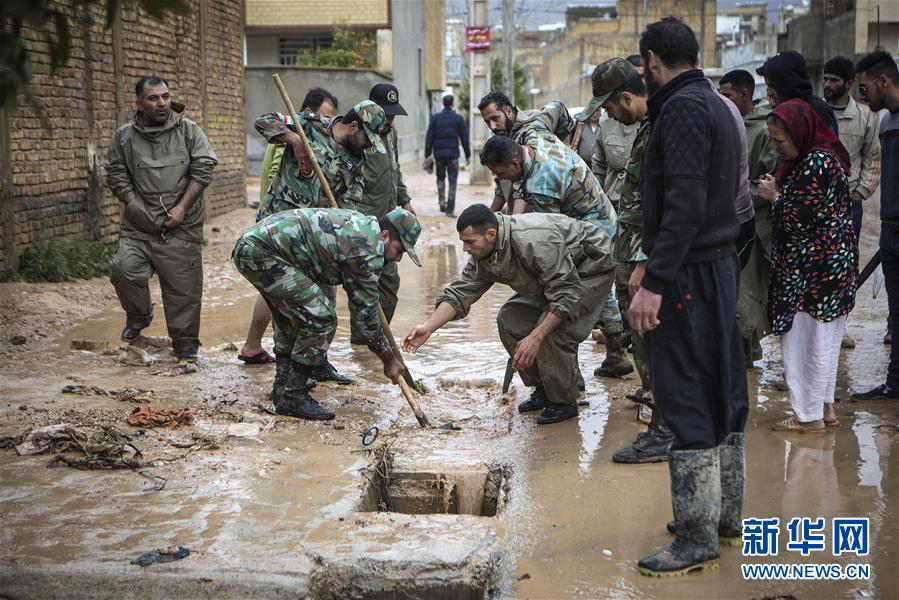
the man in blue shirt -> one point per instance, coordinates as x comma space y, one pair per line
445, 131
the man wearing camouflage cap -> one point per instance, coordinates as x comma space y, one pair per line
339, 145
290, 257
619, 89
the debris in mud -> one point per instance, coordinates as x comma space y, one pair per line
449, 427
446, 383
137, 357
105, 448
90, 345
182, 368
127, 394
147, 416
524, 577
18, 340
161, 555
146, 350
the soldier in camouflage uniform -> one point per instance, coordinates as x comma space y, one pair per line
383, 190
619, 89
290, 257
339, 145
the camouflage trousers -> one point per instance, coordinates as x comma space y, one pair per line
304, 315
622, 276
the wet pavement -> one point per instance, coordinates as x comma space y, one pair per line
286, 515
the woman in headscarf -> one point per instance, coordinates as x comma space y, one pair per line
786, 77
814, 259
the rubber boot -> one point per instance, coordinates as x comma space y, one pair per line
327, 372
696, 503
616, 363
649, 447
295, 401
733, 482
282, 367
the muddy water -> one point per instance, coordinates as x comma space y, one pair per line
569, 502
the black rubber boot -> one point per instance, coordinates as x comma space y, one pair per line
295, 400
537, 401
556, 413
327, 372
696, 502
733, 481
616, 363
651, 446
282, 367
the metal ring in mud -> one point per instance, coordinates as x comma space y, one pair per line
370, 435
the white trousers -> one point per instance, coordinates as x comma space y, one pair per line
811, 353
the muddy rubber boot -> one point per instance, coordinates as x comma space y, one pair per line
733, 482
282, 367
295, 401
696, 502
556, 413
327, 372
537, 401
649, 447
616, 363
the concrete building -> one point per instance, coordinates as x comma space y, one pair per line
562, 62
841, 27
51, 181
745, 40
410, 37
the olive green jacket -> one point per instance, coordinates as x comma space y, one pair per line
383, 188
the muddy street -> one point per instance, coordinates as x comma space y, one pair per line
271, 506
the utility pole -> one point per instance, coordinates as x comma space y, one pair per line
509, 49
479, 84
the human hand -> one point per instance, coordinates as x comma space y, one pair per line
643, 314
299, 151
636, 279
767, 188
175, 217
408, 206
526, 352
393, 368
416, 338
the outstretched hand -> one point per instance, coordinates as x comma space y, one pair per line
416, 338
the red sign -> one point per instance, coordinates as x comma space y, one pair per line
477, 39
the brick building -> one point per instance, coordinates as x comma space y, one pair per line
51, 181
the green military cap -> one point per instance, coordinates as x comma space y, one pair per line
373, 121
409, 229
607, 78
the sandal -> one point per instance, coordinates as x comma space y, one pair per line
792, 425
260, 358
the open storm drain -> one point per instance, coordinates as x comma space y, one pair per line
479, 490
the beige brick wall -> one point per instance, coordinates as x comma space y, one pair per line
55, 186
313, 13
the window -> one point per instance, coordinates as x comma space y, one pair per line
289, 48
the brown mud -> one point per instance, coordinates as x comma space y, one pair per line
276, 507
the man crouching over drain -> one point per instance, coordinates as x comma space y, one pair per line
561, 271
289, 256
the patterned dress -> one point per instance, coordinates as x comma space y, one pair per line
814, 253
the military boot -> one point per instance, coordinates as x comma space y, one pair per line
616, 363
327, 372
650, 447
733, 481
295, 400
282, 367
537, 401
696, 503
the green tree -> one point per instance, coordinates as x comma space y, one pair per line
350, 49
496, 83
55, 26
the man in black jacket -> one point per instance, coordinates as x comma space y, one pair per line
445, 131
686, 297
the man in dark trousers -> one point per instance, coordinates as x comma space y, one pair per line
445, 131
686, 297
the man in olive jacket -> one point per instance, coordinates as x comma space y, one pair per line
157, 166
561, 271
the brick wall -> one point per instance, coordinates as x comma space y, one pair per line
313, 13
51, 181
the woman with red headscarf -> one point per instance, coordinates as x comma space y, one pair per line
815, 260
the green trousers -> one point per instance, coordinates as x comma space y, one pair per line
388, 289
623, 275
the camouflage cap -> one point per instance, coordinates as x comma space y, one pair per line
409, 229
373, 121
607, 78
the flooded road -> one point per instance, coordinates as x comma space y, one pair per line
285, 514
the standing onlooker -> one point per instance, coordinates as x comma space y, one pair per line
686, 297
858, 130
158, 166
878, 84
786, 76
445, 131
739, 86
815, 260
587, 143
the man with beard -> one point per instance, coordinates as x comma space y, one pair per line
338, 145
686, 297
158, 166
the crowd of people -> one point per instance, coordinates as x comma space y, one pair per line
750, 227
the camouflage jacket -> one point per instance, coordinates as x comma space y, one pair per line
290, 188
332, 247
536, 255
383, 184
630, 203
557, 180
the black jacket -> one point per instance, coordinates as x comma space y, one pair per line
445, 131
691, 178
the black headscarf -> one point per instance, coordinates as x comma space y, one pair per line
788, 75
